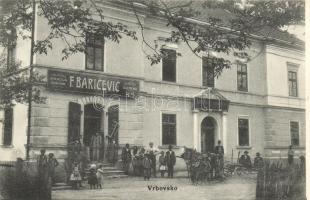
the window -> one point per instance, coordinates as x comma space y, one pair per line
94, 52
8, 127
292, 83
242, 77
10, 55
169, 65
169, 129
207, 73
243, 132
294, 128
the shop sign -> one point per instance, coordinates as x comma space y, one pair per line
91, 84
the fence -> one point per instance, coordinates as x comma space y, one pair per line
278, 181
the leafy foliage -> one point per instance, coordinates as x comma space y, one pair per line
207, 27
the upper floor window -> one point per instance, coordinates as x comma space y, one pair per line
94, 52
11, 55
169, 65
207, 73
8, 127
292, 83
294, 129
243, 132
242, 77
168, 129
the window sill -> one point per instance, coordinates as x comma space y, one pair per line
244, 147
6, 146
169, 82
242, 91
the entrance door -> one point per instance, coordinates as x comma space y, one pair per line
208, 126
92, 125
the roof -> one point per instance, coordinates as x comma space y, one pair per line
205, 13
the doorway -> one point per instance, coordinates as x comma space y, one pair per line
93, 124
208, 128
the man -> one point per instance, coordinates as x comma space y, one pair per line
42, 165
152, 151
52, 164
170, 160
219, 151
96, 145
126, 158
258, 161
290, 155
245, 160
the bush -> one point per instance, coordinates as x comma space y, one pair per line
20, 183
277, 181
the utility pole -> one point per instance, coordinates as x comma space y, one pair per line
30, 79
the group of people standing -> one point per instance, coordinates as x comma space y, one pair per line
144, 161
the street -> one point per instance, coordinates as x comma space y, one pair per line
135, 188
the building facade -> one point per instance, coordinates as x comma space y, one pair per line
258, 106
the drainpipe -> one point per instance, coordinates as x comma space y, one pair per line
30, 78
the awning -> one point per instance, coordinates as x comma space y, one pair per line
210, 100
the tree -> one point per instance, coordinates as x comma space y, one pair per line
75, 19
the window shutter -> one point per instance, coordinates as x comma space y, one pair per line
74, 121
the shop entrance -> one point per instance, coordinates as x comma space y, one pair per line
208, 128
93, 137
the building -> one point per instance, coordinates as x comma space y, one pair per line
258, 106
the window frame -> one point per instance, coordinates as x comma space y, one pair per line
249, 131
4, 128
293, 81
166, 48
243, 73
290, 133
202, 74
161, 128
94, 46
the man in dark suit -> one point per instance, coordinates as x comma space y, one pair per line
170, 159
126, 158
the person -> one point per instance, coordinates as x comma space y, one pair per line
96, 144
92, 178
99, 175
135, 161
42, 167
126, 158
245, 160
171, 160
68, 168
75, 177
290, 155
258, 161
162, 164
147, 165
52, 164
152, 151
219, 151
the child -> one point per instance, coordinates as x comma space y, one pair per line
162, 164
92, 178
99, 175
147, 163
75, 177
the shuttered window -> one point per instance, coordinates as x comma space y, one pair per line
8, 127
294, 128
168, 129
243, 132
207, 73
94, 52
292, 83
169, 65
242, 77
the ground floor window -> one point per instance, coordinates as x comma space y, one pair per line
294, 129
8, 127
168, 129
243, 132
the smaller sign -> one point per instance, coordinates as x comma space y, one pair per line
92, 84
